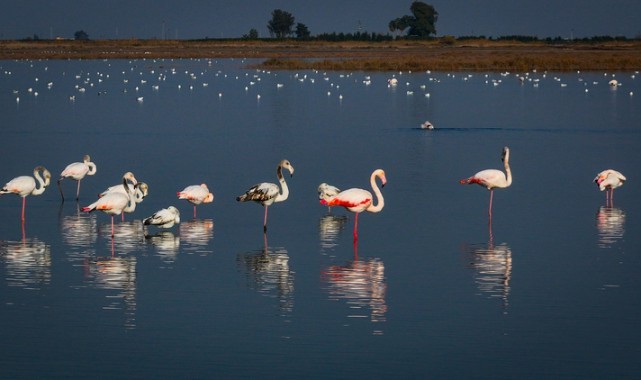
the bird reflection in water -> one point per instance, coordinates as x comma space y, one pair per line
268, 272
361, 283
610, 222
196, 234
128, 236
329, 226
117, 275
28, 263
493, 266
166, 244
79, 232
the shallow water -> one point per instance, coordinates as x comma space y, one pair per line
549, 288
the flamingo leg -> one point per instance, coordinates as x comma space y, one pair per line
24, 204
356, 227
78, 191
112, 226
194, 211
265, 220
60, 188
491, 196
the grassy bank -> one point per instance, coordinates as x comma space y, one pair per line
474, 55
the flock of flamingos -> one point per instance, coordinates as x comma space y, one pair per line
123, 198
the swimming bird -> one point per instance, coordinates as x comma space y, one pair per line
77, 171
358, 200
196, 194
427, 125
26, 185
493, 178
113, 203
269, 193
326, 191
165, 218
609, 180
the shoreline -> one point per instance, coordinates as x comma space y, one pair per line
466, 55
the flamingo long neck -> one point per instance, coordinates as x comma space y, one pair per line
380, 201
43, 184
92, 168
130, 192
508, 172
284, 193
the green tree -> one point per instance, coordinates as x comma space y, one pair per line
421, 23
302, 31
252, 35
81, 35
281, 24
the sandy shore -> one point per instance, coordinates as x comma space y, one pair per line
477, 55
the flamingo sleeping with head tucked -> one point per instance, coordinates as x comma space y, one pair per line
493, 178
359, 200
269, 193
77, 171
609, 180
26, 185
196, 194
326, 191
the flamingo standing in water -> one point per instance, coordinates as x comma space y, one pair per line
196, 194
609, 180
139, 189
493, 178
326, 191
359, 200
26, 185
113, 203
165, 218
268, 193
77, 171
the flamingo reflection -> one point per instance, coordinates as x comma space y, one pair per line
268, 272
127, 237
116, 274
610, 222
493, 266
166, 244
28, 263
329, 226
361, 283
196, 234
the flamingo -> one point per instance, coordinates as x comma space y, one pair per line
326, 191
196, 194
77, 171
113, 203
609, 180
26, 185
165, 218
493, 178
131, 181
268, 193
427, 125
359, 200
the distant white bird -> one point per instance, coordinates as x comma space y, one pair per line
609, 180
326, 192
77, 171
26, 185
268, 193
613, 83
165, 218
427, 125
392, 81
196, 194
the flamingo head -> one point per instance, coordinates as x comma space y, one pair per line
45, 173
86, 158
287, 165
505, 154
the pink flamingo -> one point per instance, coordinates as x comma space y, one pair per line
26, 185
196, 194
77, 171
113, 203
326, 191
269, 193
609, 180
493, 178
359, 200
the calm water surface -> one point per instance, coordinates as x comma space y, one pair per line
549, 289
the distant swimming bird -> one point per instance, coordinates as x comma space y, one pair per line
196, 194
165, 218
392, 81
358, 200
113, 203
268, 193
77, 171
326, 191
427, 125
493, 178
609, 180
613, 83
26, 185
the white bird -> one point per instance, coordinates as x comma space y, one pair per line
358, 200
427, 125
326, 191
196, 194
392, 81
493, 178
165, 218
77, 171
131, 181
26, 185
268, 193
113, 203
609, 180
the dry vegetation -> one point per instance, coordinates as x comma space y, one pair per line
450, 55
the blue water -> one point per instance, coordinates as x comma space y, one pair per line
549, 288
